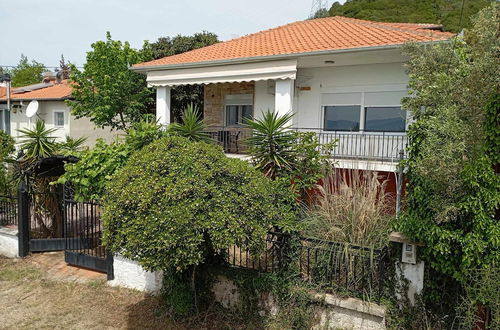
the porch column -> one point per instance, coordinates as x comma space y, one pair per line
283, 97
163, 105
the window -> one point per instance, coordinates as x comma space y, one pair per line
238, 108
342, 118
59, 118
385, 119
236, 114
5, 120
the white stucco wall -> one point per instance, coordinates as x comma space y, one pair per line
9, 242
129, 274
73, 127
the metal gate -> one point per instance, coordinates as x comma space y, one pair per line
83, 235
45, 219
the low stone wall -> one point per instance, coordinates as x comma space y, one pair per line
9, 246
130, 274
332, 312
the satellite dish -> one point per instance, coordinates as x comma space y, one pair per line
32, 109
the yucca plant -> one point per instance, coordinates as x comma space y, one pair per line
191, 127
72, 145
271, 143
38, 142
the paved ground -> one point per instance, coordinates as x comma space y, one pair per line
42, 292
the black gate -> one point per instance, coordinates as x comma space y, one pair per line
83, 235
42, 214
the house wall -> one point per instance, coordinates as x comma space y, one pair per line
72, 127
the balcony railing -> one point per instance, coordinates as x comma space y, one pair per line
374, 146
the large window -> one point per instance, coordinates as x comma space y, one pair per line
342, 118
238, 107
236, 114
385, 119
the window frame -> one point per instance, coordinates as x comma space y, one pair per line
362, 113
384, 106
63, 118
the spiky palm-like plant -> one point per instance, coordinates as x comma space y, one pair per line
72, 145
191, 127
271, 143
38, 142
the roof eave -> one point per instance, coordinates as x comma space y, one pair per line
144, 69
38, 99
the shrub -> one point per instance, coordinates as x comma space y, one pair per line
176, 203
94, 169
6, 150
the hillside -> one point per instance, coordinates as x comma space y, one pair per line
446, 12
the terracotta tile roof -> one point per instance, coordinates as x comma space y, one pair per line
60, 91
331, 33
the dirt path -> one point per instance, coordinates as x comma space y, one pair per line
31, 297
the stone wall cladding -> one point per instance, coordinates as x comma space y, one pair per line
214, 94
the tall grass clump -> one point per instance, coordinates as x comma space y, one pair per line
351, 206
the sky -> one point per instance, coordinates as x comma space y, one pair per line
45, 29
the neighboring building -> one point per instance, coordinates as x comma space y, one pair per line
343, 78
52, 109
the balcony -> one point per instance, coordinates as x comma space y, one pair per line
367, 146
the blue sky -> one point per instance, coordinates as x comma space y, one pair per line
43, 29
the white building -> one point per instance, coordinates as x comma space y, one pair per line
51, 108
342, 78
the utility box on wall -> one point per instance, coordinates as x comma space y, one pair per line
409, 253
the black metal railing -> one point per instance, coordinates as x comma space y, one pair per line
83, 228
45, 215
340, 267
8, 210
374, 146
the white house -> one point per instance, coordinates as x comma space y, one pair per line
343, 78
51, 109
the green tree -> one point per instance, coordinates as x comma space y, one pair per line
446, 12
27, 73
453, 190
177, 203
106, 90
182, 96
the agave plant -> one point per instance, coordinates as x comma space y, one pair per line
192, 127
271, 143
38, 142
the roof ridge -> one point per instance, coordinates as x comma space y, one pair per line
385, 25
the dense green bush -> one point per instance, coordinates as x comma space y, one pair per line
95, 168
6, 150
177, 202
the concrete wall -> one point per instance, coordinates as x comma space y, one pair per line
331, 313
129, 274
9, 242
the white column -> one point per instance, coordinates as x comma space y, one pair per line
283, 97
163, 105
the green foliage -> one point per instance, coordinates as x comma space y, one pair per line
182, 96
38, 142
6, 150
177, 202
72, 145
94, 169
453, 188
107, 91
482, 288
27, 73
191, 127
271, 143
143, 133
446, 12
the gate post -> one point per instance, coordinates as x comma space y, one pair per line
23, 219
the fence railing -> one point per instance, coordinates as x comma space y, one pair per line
8, 210
376, 146
341, 267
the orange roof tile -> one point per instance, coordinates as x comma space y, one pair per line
331, 33
59, 91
